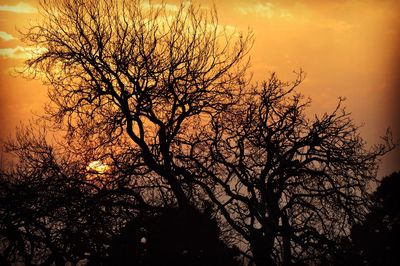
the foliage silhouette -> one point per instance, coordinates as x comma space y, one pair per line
375, 240
172, 237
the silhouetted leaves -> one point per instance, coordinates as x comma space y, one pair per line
377, 239
171, 237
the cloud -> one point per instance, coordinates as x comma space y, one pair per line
13, 53
168, 7
336, 25
21, 7
268, 10
6, 36
20, 52
264, 9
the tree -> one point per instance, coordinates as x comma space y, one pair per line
165, 97
126, 79
291, 186
374, 241
54, 210
127, 69
172, 237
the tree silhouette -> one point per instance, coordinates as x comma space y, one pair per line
120, 68
163, 98
172, 237
53, 211
375, 240
291, 186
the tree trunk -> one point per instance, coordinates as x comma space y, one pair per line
287, 251
261, 247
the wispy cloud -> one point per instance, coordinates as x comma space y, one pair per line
21, 7
268, 10
13, 53
336, 25
6, 36
168, 7
20, 52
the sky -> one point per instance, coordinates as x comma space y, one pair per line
347, 49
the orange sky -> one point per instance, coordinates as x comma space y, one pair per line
347, 48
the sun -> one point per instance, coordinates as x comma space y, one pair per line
97, 167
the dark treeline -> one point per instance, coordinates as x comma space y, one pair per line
173, 156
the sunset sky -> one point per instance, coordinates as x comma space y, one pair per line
347, 48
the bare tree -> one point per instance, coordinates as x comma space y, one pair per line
165, 96
58, 208
128, 68
55, 210
289, 185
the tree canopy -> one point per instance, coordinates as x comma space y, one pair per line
374, 241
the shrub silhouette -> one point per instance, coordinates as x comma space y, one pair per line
172, 237
377, 239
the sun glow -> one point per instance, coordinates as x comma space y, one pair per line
97, 167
